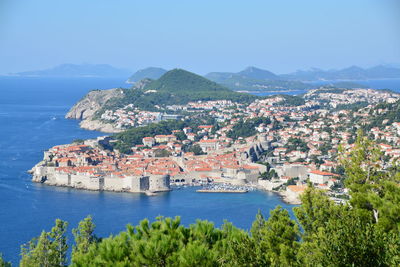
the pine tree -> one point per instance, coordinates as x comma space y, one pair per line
348, 238
49, 249
84, 237
275, 239
59, 243
155, 243
194, 254
235, 248
373, 183
37, 252
3, 263
314, 212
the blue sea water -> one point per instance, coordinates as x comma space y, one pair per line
268, 93
32, 120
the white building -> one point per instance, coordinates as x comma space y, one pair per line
320, 177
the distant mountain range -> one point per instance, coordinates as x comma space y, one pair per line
149, 73
350, 73
249, 79
74, 70
255, 79
258, 74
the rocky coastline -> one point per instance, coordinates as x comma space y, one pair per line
97, 125
86, 108
287, 199
283, 194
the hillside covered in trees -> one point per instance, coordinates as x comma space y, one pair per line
363, 232
384, 114
255, 79
176, 87
133, 136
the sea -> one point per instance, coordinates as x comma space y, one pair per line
32, 120
391, 84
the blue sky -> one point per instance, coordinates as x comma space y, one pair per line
201, 36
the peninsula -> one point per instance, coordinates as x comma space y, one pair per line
207, 134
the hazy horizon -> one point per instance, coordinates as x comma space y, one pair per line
201, 37
133, 71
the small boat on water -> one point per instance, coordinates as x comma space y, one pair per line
221, 191
150, 193
223, 188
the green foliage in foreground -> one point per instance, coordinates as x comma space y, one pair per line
49, 249
365, 232
334, 235
4, 263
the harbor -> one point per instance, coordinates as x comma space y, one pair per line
224, 188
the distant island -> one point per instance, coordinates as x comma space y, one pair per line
149, 73
350, 74
75, 70
251, 79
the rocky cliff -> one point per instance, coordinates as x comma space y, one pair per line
86, 108
97, 125
92, 102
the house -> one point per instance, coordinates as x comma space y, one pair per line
187, 130
148, 141
327, 166
206, 128
208, 145
165, 138
320, 177
191, 136
385, 146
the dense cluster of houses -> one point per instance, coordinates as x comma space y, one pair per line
129, 116
346, 97
300, 143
